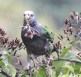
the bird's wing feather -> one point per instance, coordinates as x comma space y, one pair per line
45, 32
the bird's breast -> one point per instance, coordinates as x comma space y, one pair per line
35, 45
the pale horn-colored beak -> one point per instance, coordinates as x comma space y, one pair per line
27, 17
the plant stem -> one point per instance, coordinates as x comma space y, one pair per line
65, 59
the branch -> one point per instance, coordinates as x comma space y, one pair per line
4, 73
70, 60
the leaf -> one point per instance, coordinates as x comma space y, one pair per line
78, 42
64, 52
8, 57
64, 75
2, 64
11, 69
79, 75
58, 66
23, 75
78, 57
1, 75
77, 67
72, 54
65, 71
70, 68
40, 73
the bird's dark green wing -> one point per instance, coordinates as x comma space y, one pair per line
47, 34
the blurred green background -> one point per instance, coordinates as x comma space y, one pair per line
48, 12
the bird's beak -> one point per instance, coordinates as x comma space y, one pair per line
27, 17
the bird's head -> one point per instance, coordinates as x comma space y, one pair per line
29, 16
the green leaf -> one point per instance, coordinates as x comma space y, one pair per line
77, 67
64, 75
2, 64
8, 57
78, 57
65, 71
58, 66
72, 54
70, 68
64, 52
78, 42
11, 69
23, 75
79, 75
40, 73
1, 75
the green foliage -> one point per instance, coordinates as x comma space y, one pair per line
40, 73
71, 54
11, 70
9, 58
2, 64
1, 75
23, 75
58, 66
70, 68
64, 52
77, 68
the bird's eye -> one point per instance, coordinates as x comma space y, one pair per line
32, 15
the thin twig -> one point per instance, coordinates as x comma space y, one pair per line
65, 59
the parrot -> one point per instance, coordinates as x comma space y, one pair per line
36, 37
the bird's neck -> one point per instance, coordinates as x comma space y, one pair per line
32, 23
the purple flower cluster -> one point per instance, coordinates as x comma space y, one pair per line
73, 24
14, 44
9, 44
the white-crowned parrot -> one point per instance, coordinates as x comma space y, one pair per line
36, 38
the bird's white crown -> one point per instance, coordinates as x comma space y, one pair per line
29, 12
